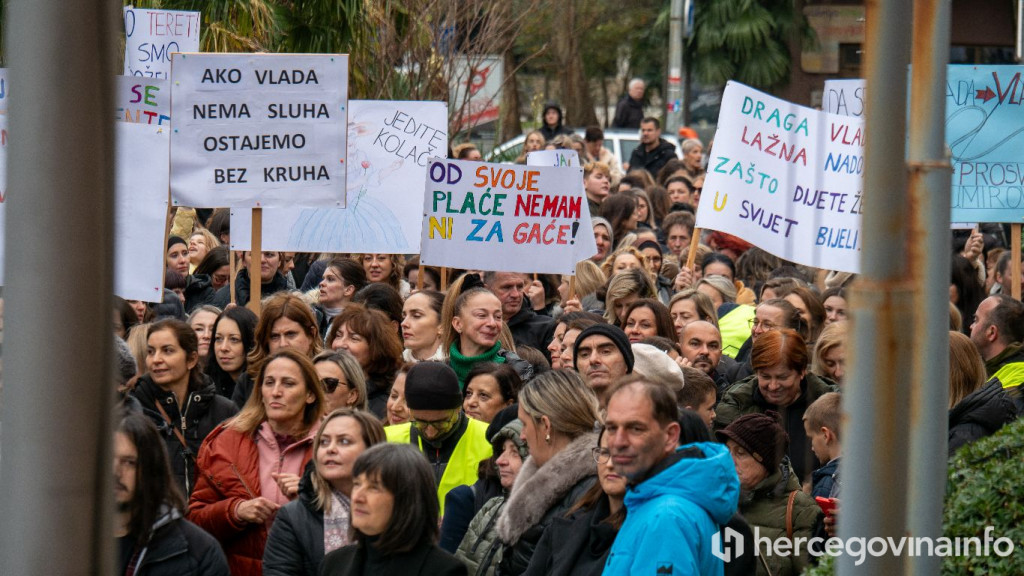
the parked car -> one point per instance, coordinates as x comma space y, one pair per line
620, 142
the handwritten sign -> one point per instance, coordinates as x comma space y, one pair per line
563, 157
4, 85
500, 217
844, 97
985, 132
787, 179
143, 100
475, 89
141, 210
389, 143
255, 130
151, 36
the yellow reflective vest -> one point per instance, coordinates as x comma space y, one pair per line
465, 460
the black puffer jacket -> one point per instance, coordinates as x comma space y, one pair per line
242, 287
199, 290
981, 413
575, 546
296, 541
203, 410
180, 548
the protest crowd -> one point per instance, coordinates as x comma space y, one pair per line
382, 416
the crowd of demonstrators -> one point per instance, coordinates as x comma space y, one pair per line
549, 425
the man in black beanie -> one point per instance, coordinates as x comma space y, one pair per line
453, 442
602, 355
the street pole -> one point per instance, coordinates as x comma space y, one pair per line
876, 395
674, 86
56, 490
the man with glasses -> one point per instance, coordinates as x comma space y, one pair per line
678, 496
453, 442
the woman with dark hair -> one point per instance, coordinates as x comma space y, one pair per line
966, 290
286, 322
386, 268
421, 326
398, 410
176, 257
317, 522
124, 317
620, 211
646, 318
473, 335
234, 337
977, 407
394, 518
252, 464
178, 397
411, 272
558, 411
490, 388
579, 543
343, 380
369, 337
342, 278
216, 266
810, 308
781, 382
384, 298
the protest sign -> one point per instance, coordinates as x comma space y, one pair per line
3, 90
475, 89
563, 158
151, 36
844, 97
143, 100
787, 179
259, 130
388, 146
504, 217
3, 192
141, 210
985, 132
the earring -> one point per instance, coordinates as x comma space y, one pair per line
547, 438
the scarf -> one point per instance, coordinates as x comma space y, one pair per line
463, 364
336, 522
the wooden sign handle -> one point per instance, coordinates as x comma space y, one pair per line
694, 243
255, 259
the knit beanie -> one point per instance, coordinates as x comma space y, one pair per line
171, 241
432, 386
761, 435
722, 284
512, 431
613, 333
655, 365
124, 361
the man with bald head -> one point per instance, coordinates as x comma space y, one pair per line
701, 345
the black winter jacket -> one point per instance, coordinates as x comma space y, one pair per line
180, 548
198, 291
981, 413
296, 541
425, 559
531, 329
242, 287
655, 159
575, 546
204, 409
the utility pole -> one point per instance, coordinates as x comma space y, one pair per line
674, 86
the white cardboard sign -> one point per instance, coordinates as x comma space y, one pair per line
151, 36
143, 100
259, 130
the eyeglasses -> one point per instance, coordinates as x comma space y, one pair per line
330, 384
764, 324
602, 455
437, 424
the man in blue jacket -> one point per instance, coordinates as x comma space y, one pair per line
677, 497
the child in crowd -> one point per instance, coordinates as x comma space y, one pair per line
698, 394
821, 422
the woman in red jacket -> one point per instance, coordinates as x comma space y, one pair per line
251, 464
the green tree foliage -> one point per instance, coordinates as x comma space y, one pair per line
745, 40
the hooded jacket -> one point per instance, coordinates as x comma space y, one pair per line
672, 516
204, 409
178, 547
550, 132
540, 494
764, 508
981, 413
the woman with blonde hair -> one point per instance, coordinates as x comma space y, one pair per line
343, 380
386, 268
200, 242
625, 288
830, 352
589, 279
624, 258
559, 413
317, 522
976, 409
252, 464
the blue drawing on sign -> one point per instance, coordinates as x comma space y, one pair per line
366, 223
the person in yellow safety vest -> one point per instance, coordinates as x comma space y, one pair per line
453, 442
733, 318
997, 332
